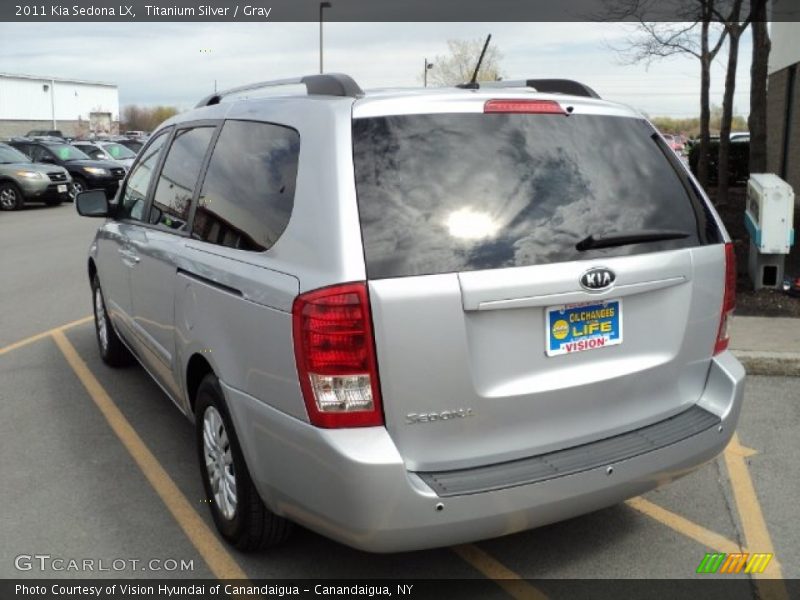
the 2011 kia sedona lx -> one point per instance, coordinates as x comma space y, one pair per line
415, 318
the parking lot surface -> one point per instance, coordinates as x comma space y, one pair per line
98, 464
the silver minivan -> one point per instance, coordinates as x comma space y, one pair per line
414, 318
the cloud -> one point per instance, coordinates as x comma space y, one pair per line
178, 63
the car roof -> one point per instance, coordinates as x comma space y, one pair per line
340, 91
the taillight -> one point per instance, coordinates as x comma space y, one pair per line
728, 301
335, 353
530, 107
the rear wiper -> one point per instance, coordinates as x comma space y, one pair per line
610, 240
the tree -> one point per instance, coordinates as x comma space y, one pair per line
758, 88
141, 118
458, 66
735, 28
698, 35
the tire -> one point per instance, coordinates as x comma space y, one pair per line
238, 511
11, 197
112, 350
78, 185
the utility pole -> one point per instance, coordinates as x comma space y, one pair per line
425, 72
321, 6
53, 101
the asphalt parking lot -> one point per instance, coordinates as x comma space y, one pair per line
98, 464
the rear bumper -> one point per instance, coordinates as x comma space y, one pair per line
352, 485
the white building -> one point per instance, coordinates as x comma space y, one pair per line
73, 106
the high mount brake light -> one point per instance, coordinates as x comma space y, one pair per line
728, 300
335, 353
528, 107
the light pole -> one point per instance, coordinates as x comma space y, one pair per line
321, 6
425, 72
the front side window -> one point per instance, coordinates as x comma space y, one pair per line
248, 192
173, 196
135, 195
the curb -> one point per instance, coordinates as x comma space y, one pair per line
781, 364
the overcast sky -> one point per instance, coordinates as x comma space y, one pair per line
177, 63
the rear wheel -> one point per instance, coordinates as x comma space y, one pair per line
11, 197
112, 350
237, 509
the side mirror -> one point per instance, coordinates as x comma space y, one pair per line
93, 203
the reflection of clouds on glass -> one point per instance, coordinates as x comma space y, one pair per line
173, 195
248, 192
138, 181
468, 224
442, 193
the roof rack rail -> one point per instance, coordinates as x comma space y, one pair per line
550, 86
329, 84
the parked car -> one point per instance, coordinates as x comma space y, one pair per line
738, 161
48, 133
397, 317
23, 182
107, 151
86, 173
674, 142
133, 144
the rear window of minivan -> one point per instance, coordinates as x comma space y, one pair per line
443, 193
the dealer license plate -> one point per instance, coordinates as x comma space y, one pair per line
62, 189
578, 327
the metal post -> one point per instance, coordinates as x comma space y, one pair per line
53, 101
321, 6
425, 72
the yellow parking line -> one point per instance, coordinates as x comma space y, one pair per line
44, 334
684, 526
507, 579
210, 548
749, 509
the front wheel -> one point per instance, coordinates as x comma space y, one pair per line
11, 197
237, 509
78, 185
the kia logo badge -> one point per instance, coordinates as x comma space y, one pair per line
597, 278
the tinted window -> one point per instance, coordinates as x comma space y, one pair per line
66, 152
135, 194
12, 155
248, 192
461, 192
173, 196
26, 149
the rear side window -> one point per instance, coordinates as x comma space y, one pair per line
248, 192
173, 196
461, 192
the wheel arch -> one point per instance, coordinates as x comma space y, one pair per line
196, 369
92, 269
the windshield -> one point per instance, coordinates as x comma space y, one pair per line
118, 151
67, 152
461, 192
11, 155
